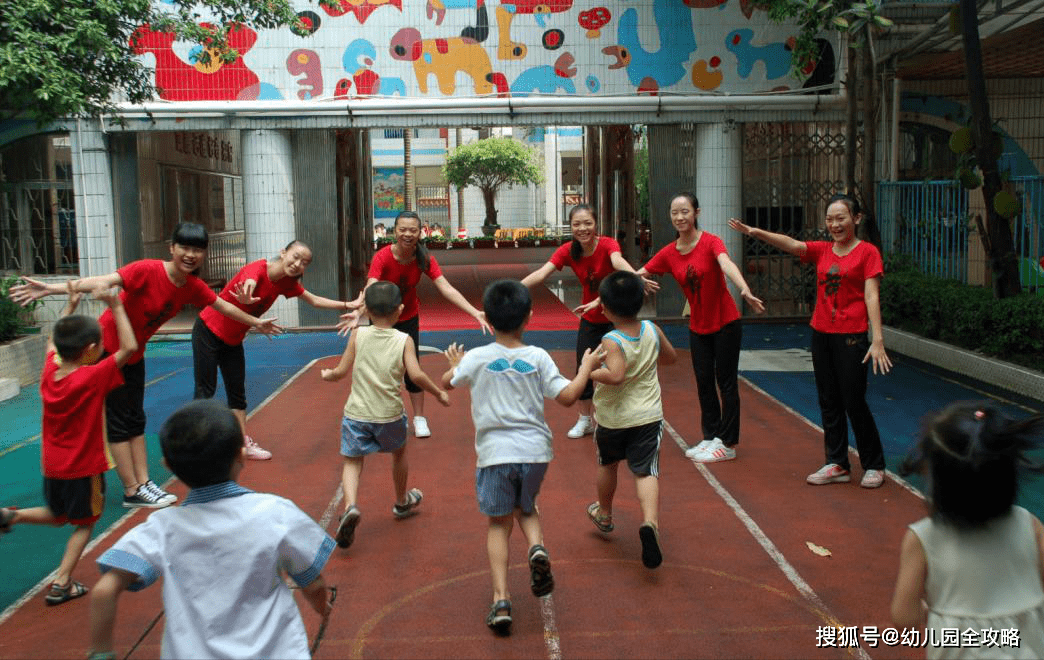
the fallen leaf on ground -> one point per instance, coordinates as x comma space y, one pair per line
818, 549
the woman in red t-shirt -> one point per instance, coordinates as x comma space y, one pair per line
699, 263
217, 340
848, 277
402, 264
154, 291
592, 257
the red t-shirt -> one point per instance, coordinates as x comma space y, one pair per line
840, 285
73, 418
702, 280
406, 276
233, 332
590, 271
151, 300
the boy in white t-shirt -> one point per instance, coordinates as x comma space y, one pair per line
221, 554
510, 381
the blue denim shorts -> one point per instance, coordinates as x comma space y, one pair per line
361, 438
503, 488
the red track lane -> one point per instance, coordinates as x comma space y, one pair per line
420, 588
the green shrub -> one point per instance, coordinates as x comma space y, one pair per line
14, 319
967, 316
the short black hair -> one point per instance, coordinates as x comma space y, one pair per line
190, 234
970, 454
507, 304
72, 334
201, 441
383, 298
622, 293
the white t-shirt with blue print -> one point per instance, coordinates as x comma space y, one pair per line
508, 388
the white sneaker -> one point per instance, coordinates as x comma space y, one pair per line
584, 426
162, 497
698, 449
420, 427
254, 450
714, 452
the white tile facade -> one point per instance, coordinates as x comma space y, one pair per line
719, 160
92, 183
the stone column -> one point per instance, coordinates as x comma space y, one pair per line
719, 186
92, 192
268, 203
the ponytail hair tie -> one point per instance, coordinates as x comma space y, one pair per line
980, 415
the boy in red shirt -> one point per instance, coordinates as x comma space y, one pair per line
73, 387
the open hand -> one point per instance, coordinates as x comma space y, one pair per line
268, 326
349, 320
244, 292
454, 354
28, 291
739, 226
651, 285
443, 398
878, 357
755, 303
587, 307
483, 323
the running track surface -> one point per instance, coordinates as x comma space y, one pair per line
739, 579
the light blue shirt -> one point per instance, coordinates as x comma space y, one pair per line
220, 554
508, 387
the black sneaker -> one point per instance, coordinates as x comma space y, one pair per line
346, 528
540, 579
652, 556
145, 498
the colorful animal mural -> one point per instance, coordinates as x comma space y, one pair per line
617, 47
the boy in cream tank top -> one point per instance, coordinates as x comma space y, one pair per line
628, 409
378, 356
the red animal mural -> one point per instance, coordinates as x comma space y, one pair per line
178, 80
361, 8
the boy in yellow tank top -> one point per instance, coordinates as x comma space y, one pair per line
374, 417
628, 409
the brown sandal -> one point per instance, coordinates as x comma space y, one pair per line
604, 522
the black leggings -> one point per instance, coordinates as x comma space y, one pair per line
841, 384
412, 328
589, 335
715, 361
209, 354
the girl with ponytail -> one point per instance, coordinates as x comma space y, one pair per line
977, 561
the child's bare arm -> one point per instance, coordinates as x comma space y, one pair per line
74, 298
417, 375
103, 608
615, 368
454, 354
907, 610
571, 392
667, 353
344, 366
318, 596
124, 330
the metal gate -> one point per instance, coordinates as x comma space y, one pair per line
790, 170
38, 228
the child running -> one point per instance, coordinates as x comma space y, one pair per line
628, 409
374, 416
221, 554
976, 560
510, 381
73, 386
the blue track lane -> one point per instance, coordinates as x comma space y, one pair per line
899, 400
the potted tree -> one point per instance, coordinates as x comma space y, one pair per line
488, 165
21, 343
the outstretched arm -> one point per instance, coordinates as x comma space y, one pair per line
571, 392
417, 375
104, 596
124, 330
733, 273
344, 366
619, 263
267, 326
320, 302
782, 241
539, 275
31, 289
451, 294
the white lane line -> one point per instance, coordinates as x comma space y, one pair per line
28, 595
551, 640
764, 541
851, 450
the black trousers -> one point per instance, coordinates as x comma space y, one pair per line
209, 354
715, 361
841, 383
412, 328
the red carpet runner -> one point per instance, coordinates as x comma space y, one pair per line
437, 313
